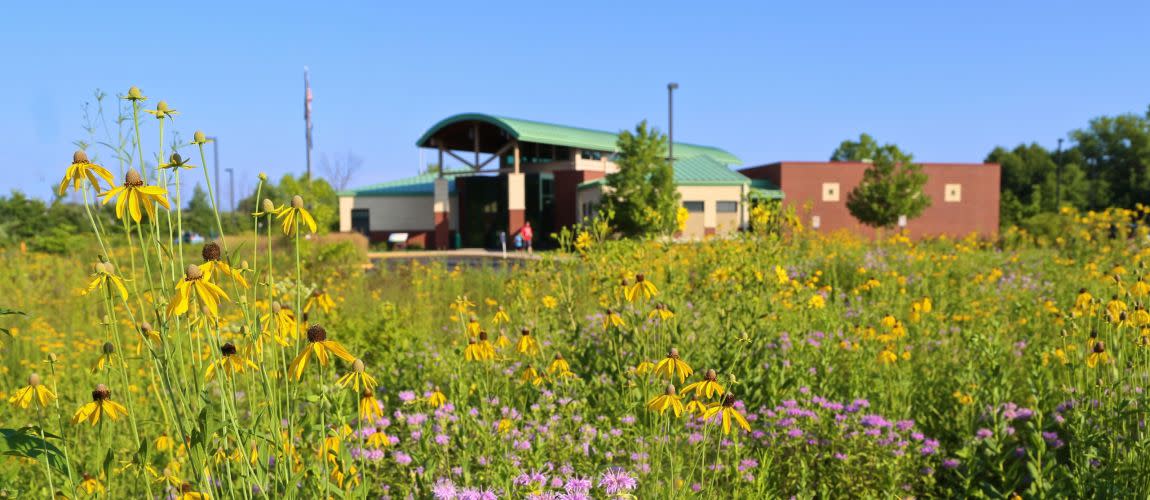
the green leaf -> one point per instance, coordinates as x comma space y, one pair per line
26, 442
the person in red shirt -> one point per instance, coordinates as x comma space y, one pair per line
528, 234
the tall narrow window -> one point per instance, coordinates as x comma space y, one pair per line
360, 220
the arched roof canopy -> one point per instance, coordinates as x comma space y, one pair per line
458, 132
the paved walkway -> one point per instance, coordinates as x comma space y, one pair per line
464, 253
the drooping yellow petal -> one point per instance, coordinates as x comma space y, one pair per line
337, 349
308, 220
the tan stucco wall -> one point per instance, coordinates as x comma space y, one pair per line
395, 213
710, 195
594, 196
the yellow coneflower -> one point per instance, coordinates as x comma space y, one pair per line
136, 198
473, 352
318, 344
90, 485
164, 442
436, 398
104, 275
527, 344
661, 312
149, 333
100, 406
502, 342
231, 363
1140, 288
357, 378
488, 349
727, 412
530, 374
188, 492
378, 439
162, 111
1115, 308
175, 161
106, 359
668, 400
644, 367
213, 265
81, 169
369, 409
558, 365
501, 317
550, 302
33, 392
279, 323
295, 214
319, 297
887, 356
612, 319
695, 407
196, 283
462, 305
473, 327
708, 387
641, 287
672, 365
1098, 355
583, 241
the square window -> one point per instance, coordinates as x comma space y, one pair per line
693, 206
830, 191
727, 207
953, 193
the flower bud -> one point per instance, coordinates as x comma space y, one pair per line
269, 206
109, 348
134, 94
263, 177
199, 137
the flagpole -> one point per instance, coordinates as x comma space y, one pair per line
307, 120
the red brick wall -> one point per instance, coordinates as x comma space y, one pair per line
566, 194
977, 212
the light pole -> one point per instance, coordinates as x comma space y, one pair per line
1058, 187
231, 189
671, 122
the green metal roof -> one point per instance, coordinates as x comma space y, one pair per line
562, 135
696, 171
420, 185
764, 188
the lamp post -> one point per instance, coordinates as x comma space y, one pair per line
671, 122
1058, 187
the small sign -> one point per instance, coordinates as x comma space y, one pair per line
902, 221
815, 221
397, 238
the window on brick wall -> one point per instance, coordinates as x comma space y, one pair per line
952, 193
830, 191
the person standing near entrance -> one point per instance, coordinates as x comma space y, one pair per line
528, 235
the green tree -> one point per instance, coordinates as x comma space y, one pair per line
642, 193
1030, 181
891, 186
319, 196
1116, 152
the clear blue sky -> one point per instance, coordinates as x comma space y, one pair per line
945, 80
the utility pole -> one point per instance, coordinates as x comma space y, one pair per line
671, 122
307, 119
1058, 187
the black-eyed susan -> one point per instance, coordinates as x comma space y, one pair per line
136, 198
319, 297
101, 406
695, 407
502, 342
473, 352
378, 439
230, 363
612, 319
104, 276
215, 265
358, 378
1140, 288
473, 327
80, 170
436, 398
727, 412
668, 400
672, 365
369, 410
527, 344
33, 394
641, 288
295, 215
195, 283
708, 387
320, 346
530, 375
1098, 355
